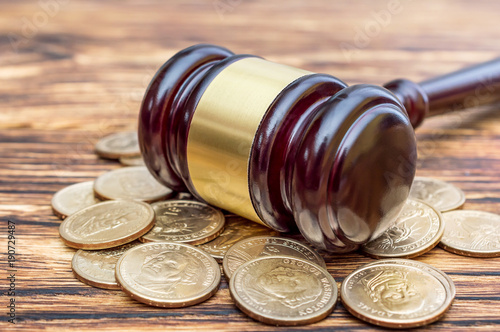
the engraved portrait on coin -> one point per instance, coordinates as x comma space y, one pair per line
288, 286
264, 246
168, 274
393, 291
165, 271
283, 290
398, 293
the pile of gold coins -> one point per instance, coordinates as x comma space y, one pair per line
164, 250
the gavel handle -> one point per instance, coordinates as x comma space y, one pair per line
465, 88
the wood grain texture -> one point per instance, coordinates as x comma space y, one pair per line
76, 70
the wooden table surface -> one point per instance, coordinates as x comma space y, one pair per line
74, 71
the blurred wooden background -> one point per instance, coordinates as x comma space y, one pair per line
72, 71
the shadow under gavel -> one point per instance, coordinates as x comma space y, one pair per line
293, 149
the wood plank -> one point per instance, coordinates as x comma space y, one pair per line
80, 74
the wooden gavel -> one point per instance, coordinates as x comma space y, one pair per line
293, 149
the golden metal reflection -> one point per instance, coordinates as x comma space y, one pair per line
223, 128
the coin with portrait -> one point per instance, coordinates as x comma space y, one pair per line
73, 198
439, 274
121, 144
185, 221
397, 293
97, 267
283, 290
259, 246
107, 224
417, 229
471, 233
168, 274
236, 228
130, 183
439, 194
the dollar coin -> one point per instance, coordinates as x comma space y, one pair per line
236, 229
283, 290
117, 145
418, 229
439, 194
107, 224
97, 267
397, 293
471, 233
185, 221
130, 183
168, 274
73, 198
258, 246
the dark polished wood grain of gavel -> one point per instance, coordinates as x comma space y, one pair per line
293, 149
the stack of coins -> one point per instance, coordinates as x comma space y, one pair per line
162, 272
429, 218
466, 232
401, 293
272, 279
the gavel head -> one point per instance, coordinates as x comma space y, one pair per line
279, 145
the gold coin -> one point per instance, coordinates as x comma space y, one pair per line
439, 194
397, 293
283, 290
185, 221
236, 228
258, 246
114, 146
97, 268
73, 198
130, 183
132, 160
471, 233
168, 274
417, 230
450, 286
107, 224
